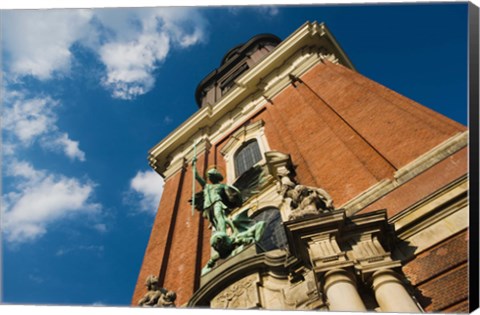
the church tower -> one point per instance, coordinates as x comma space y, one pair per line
346, 195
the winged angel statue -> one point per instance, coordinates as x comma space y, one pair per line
216, 201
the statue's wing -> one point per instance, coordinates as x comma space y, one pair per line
250, 182
232, 197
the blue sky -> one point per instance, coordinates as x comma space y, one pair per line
86, 93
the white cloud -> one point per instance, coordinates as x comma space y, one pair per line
140, 41
40, 199
32, 119
131, 43
24, 170
130, 65
63, 143
38, 42
267, 11
148, 186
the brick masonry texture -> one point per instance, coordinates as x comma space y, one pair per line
440, 275
438, 260
445, 290
461, 307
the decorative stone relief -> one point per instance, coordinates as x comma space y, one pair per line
303, 295
157, 296
243, 294
302, 201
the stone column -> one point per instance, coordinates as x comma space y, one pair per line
341, 292
390, 293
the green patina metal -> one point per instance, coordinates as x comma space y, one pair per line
216, 201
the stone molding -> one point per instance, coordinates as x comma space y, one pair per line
202, 146
240, 136
406, 173
254, 131
432, 219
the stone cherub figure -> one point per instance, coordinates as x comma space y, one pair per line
216, 201
303, 200
157, 296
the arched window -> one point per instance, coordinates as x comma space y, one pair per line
246, 157
274, 236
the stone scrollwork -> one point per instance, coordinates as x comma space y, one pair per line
157, 296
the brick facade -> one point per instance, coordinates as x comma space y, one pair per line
344, 133
440, 275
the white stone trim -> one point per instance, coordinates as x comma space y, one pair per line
404, 174
432, 157
245, 134
434, 218
439, 231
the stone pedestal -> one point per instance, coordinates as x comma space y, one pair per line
390, 293
341, 292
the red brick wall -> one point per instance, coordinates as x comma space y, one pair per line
440, 275
399, 128
155, 253
182, 262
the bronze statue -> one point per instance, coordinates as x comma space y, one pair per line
216, 198
216, 201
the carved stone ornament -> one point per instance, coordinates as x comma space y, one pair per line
157, 296
302, 201
243, 294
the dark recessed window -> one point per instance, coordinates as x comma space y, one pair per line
246, 157
274, 236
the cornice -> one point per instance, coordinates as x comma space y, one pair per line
311, 37
407, 172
